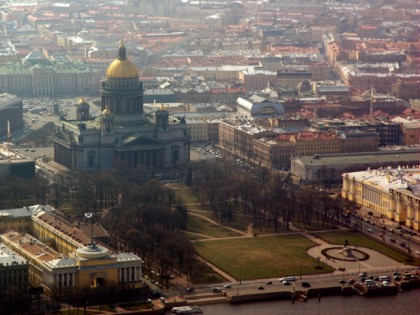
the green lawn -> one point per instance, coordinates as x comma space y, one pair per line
356, 238
206, 275
202, 226
194, 237
261, 257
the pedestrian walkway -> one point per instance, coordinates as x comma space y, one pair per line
376, 260
217, 223
219, 271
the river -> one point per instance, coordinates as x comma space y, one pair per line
406, 303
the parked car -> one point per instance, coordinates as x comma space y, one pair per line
227, 286
306, 285
269, 282
216, 290
289, 278
392, 240
369, 282
260, 288
402, 244
384, 278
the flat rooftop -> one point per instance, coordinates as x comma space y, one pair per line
9, 258
362, 158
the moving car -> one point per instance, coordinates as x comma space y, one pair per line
290, 279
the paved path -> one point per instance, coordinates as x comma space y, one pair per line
376, 261
217, 223
225, 275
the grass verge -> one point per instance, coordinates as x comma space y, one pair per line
262, 257
200, 225
357, 238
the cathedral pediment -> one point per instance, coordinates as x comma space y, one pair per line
138, 140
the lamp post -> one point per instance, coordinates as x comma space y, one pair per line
409, 247
300, 270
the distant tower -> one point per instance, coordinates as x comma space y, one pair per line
82, 110
162, 118
8, 131
372, 99
107, 121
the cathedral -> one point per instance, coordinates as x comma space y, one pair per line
123, 136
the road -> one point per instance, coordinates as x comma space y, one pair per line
315, 281
383, 234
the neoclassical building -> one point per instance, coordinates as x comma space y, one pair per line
395, 193
36, 75
89, 266
122, 136
59, 255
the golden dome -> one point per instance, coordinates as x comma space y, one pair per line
122, 68
106, 112
82, 101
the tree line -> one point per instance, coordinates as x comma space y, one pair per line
269, 198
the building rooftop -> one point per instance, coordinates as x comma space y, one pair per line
31, 246
9, 257
366, 158
387, 178
25, 211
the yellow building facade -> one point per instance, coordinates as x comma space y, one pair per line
62, 256
394, 193
91, 266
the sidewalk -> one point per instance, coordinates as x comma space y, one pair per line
376, 260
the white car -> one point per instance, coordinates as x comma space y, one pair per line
417, 252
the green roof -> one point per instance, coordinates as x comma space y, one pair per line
361, 158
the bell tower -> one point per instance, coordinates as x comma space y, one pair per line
162, 118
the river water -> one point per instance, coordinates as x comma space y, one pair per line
404, 303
